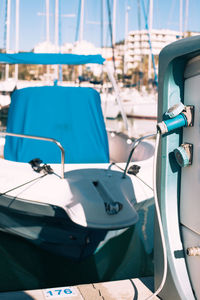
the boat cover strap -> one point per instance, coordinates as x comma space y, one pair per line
70, 115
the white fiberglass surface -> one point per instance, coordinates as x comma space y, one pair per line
190, 182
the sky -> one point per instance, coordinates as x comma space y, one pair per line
32, 24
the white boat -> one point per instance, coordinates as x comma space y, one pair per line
6, 88
58, 187
135, 104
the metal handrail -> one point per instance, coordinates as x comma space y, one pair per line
43, 139
135, 144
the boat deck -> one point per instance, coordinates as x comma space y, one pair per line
128, 289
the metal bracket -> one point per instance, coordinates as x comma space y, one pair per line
189, 114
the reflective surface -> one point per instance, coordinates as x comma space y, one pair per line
129, 255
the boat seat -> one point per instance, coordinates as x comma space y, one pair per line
71, 115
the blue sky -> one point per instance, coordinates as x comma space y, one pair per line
32, 23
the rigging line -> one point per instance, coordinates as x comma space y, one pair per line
144, 182
114, 164
23, 184
150, 45
78, 22
111, 34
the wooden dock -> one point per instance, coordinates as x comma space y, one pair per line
129, 289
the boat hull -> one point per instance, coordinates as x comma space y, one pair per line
57, 234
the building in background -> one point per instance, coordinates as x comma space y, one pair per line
80, 47
138, 46
131, 57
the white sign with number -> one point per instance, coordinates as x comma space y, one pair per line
60, 292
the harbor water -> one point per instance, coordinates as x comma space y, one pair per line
25, 266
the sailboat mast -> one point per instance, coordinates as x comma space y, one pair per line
81, 21
47, 21
126, 37
17, 37
59, 39
150, 30
114, 22
181, 18
102, 23
8, 26
56, 26
56, 30
80, 68
7, 35
186, 15
47, 32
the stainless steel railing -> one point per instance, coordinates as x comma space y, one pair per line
2, 133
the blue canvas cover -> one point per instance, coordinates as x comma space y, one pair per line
50, 58
71, 115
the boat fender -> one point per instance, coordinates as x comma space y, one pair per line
37, 167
